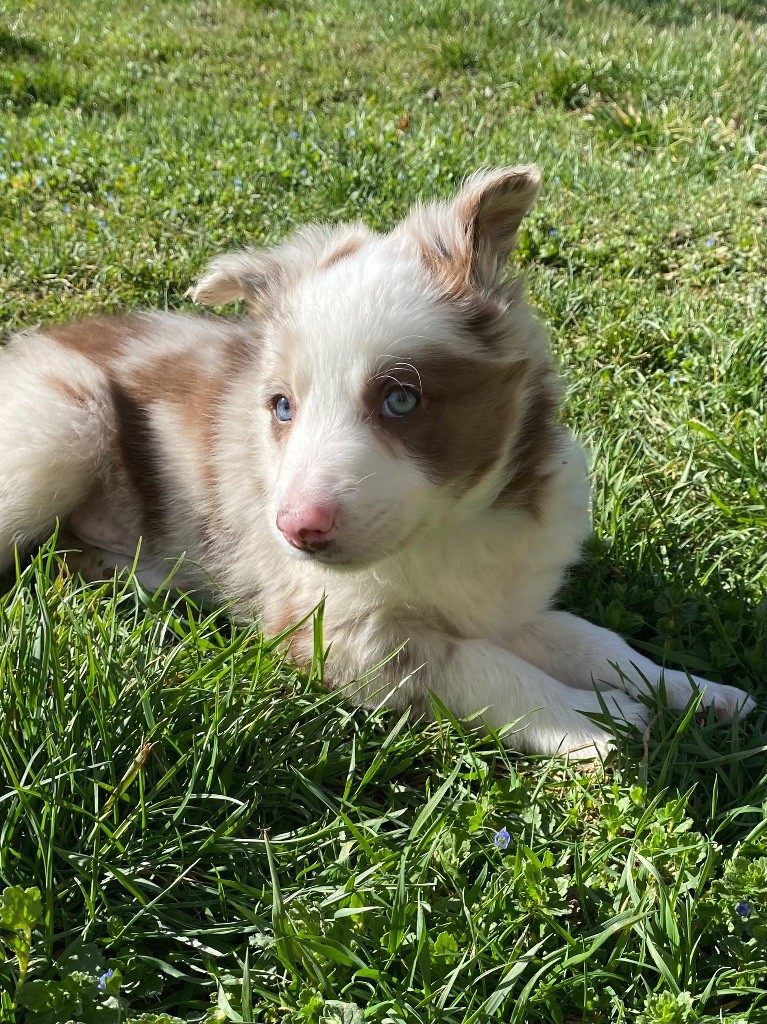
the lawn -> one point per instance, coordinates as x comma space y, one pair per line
191, 813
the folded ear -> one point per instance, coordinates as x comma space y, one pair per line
236, 275
470, 238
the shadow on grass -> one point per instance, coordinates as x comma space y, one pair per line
673, 13
14, 45
708, 631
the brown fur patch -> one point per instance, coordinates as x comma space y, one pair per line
449, 269
343, 252
138, 449
100, 339
73, 393
176, 380
539, 438
459, 430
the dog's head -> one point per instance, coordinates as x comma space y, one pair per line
400, 379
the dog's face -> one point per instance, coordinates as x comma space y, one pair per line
397, 371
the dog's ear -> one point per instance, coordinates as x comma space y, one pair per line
256, 274
470, 238
236, 275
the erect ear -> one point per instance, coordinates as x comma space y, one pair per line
469, 239
236, 275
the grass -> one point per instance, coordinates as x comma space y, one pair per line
196, 816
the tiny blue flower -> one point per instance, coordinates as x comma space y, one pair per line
501, 839
311, 115
351, 132
100, 223
43, 159
303, 172
174, 212
67, 208
558, 180
710, 243
293, 134
39, 182
553, 232
104, 979
16, 163
672, 379
743, 909
3, 177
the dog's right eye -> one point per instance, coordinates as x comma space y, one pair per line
400, 402
282, 409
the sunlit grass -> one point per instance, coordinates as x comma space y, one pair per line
232, 842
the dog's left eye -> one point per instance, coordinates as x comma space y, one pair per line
400, 402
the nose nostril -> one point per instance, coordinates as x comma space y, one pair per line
308, 526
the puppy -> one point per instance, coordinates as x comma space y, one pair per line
381, 433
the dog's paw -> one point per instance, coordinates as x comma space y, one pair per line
727, 701
591, 740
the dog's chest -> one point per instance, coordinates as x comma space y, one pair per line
481, 580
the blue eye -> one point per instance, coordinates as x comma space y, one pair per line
282, 409
400, 402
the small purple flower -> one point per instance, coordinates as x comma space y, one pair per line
104, 979
101, 223
293, 134
553, 232
351, 132
303, 172
743, 909
67, 208
501, 839
710, 243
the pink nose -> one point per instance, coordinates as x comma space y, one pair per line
309, 527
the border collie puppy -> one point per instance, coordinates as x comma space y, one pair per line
381, 433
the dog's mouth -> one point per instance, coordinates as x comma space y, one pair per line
310, 547
331, 554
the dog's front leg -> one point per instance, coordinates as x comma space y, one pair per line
471, 676
585, 656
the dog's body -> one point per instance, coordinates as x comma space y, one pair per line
381, 433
